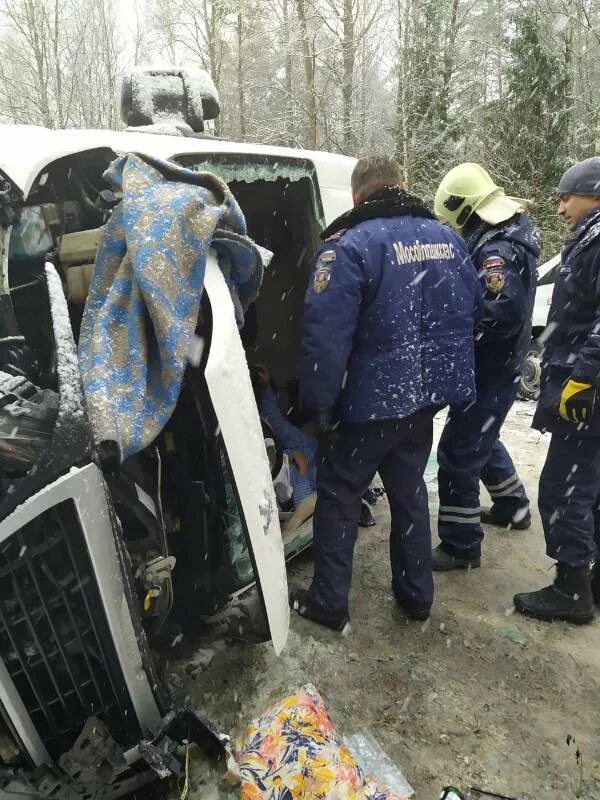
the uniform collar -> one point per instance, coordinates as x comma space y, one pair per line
586, 232
391, 201
482, 232
592, 216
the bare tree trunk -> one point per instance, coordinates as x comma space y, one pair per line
449, 61
308, 57
110, 60
209, 21
140, 31
349, 56
60, 118
402, 110
289, 86
212, 23
240, 77
33, 28
499, 49
363, 90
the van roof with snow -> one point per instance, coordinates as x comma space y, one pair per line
25, 150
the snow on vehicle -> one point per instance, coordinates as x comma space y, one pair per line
97, 565
529, 386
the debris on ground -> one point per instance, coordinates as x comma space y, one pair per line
294, 749
514, 634
375, 761
203, 657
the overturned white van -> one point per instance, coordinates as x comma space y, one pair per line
93, 565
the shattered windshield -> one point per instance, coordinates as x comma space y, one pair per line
241, 167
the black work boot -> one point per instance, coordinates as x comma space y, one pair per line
596, 583
416, 614
503, 517
569, 598
441, 561
303, 603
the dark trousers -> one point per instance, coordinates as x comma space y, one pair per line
398, 450
569, 499
470, 451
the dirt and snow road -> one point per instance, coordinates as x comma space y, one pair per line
478, 695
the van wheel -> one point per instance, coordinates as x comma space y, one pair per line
529, 385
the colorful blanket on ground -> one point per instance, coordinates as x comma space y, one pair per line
293, 753
144, 298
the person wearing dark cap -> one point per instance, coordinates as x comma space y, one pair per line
569, 407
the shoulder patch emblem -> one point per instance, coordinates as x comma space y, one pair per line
326, 256
335, 236
321, 279
493, 273
494, 281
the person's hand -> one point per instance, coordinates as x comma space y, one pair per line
325, 422
577, 401
299, 459
264, 378
327, 427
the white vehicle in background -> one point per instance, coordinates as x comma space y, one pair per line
529, 387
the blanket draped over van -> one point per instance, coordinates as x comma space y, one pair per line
144, 299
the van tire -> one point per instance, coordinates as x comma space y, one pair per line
529, 383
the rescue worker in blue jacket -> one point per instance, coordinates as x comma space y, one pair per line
388, 340
569, 491
504, 247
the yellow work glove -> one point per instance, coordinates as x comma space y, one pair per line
577, 401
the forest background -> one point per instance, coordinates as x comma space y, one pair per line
512, 85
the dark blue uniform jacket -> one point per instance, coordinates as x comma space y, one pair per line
572, 346
389, 314
505, 257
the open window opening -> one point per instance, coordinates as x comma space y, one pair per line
281, 203
61, 216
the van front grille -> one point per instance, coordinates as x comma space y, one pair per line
54, 635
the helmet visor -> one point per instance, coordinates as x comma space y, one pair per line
498, 207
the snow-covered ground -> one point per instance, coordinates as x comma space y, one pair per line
476, 696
